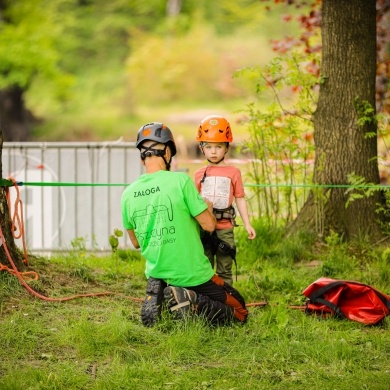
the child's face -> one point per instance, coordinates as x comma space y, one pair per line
214, 151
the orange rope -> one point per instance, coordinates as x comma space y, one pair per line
255, 304
262, 304
18, 218
26, 274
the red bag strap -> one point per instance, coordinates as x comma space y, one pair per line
316, 296
332, 306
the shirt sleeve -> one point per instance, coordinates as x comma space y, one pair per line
193, 199
238, 185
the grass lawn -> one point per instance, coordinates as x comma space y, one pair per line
100, 343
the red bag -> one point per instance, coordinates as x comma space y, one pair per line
347, 299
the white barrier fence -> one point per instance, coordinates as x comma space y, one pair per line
70, 191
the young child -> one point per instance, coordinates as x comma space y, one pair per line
222, 185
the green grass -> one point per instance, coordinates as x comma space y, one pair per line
100, 343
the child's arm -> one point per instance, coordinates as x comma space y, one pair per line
243, 210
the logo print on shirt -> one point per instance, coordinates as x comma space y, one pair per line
151, 222
146, 192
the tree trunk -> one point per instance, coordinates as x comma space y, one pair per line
15, 118
342, 146
5, 223
173, 7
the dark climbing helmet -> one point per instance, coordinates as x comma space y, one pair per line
158, 132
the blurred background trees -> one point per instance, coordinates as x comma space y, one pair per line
90, 69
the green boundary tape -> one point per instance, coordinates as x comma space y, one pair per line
10, 183
378, 186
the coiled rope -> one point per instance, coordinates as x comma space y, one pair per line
17, 224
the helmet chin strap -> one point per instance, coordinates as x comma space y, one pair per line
167, 163
150, 151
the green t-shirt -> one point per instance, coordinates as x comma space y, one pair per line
160, 207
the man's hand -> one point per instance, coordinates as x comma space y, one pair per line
209, 204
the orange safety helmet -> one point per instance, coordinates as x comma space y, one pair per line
214, 128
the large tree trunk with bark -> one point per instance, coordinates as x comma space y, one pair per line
342, 146
5, 224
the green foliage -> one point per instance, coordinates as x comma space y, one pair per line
366, 113
359, 188
114, 243
383, 210
129, 254
71, 59
384, 266
383, 123
113, 239
79, 245
188, 65
227, 16
280, 140
27, 50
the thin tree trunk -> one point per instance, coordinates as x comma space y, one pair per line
173, 7
16, 119
5, 223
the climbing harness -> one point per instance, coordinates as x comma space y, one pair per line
213, 242
228, 213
